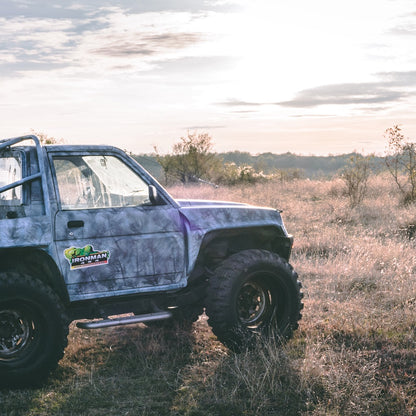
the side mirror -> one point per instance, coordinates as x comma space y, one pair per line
153, 195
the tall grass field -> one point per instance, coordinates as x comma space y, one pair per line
353, 354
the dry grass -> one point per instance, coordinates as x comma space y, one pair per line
354, 353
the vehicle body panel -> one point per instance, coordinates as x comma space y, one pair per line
25, 232
144, 245
145, 248
211, 216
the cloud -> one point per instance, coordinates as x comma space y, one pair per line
94, 39
79, 9
392, 87
404, 30
38, 9
341, 94
233, 102
195, 65
34, 43
406, 27
399, 78
147, 45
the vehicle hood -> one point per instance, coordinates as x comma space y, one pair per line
204, 203
210, 215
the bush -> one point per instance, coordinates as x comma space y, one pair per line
231, 174
355, 176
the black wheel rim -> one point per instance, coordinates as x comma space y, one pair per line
17, 333
256, 303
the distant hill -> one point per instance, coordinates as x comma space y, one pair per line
311, 166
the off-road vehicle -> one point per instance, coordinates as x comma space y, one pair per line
87, 234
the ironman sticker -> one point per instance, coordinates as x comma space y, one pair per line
86, 257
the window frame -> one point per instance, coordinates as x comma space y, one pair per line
125, 161
20, 154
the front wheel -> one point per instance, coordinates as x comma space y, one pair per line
33, 330
253, 292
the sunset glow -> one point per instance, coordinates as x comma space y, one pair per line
305, 77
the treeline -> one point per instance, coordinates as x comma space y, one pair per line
193, 160
312, 167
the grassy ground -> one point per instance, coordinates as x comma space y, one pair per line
354, 353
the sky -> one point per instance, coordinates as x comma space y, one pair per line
321, 77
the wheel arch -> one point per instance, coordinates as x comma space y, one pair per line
217, 245
37, 263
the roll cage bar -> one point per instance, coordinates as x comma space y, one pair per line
5, 144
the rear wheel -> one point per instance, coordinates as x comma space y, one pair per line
33, 330
254, 292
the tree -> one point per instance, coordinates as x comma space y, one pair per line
401, 163
191, 159
45, 139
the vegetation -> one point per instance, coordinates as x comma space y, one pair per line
191, 159
45, 139
401, 163
355, 176
285, 166
354, 354
312, 167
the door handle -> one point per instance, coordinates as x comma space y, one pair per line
75, 224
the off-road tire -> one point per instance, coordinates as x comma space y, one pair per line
33, 330
253, 293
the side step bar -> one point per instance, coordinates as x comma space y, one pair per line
105, 323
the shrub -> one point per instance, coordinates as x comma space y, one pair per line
355, 176
231, 174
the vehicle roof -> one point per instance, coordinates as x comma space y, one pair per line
71, 148
80, 147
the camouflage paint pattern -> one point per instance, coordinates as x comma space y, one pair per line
207, 216
25, 232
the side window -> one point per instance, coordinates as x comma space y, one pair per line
98, 182
10, 171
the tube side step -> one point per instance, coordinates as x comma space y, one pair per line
127, 320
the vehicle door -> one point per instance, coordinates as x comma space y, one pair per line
110, 238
